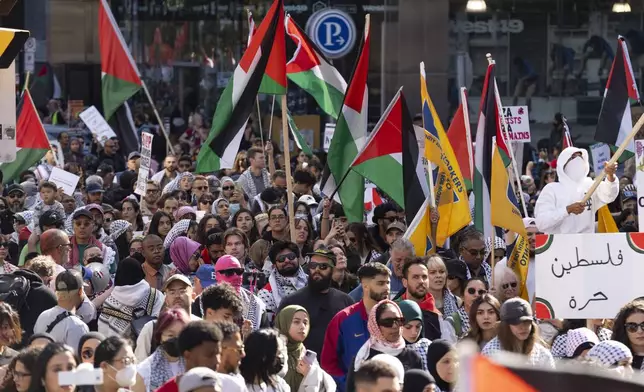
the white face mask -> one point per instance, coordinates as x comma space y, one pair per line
576, 169
126, 377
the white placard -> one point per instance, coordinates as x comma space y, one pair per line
8, 114
97, 124
639, 181
518, 123
146, 156
600, 153
329, 129
200, 215
587, 276
65, 180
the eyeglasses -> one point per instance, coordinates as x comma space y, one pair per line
321, 266
476, 252
282, 258
126, 360
506, 285
232, 271
4, 245
227, 188
17, 374
87, 354
107, 220
633, 327
472, 291
390, 322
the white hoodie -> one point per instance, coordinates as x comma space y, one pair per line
550, 211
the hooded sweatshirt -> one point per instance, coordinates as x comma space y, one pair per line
550, 211
39, 299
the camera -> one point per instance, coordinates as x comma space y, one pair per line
84, 374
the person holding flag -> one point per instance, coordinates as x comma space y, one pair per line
559, 210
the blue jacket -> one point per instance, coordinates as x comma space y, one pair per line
395, 286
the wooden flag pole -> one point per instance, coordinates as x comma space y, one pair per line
613, 160
270, 120
26, 81
430, 171
506, 136
156, 113
287, 161
259, 120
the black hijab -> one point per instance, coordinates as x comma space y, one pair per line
435, 352
416, 380
129, 272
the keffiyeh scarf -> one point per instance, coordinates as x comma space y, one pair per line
160, 371
609, 352
178, 230
465, 321
118, 228
486, 269
175, 184
248, 178
253, 308
450, 305
282, 286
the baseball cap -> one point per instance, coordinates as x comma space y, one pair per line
323, 251
308, 200
206, 275
94, 187
516, 310
456, 268
134, 155
94, 206
82, 212
15, 188
51, 218
175, 278
530, 223
396, 225
68, 280
104, 168
199, 377
629, 192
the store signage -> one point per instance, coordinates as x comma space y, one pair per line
333, 31
505, 26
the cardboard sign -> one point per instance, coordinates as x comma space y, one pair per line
587, 276
97, 124
146, 157
600, 154
329, 129
65, 180
518, 123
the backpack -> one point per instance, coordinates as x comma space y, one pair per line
58, 319
14, 290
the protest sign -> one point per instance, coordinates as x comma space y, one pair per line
146, 156
587, 276
600, 154
639, 180
65, 180
8, 114
97, 124
329, 129
518, 123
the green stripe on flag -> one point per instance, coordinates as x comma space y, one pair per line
387, 173
25, 158
328, 97
115, 92
297, 136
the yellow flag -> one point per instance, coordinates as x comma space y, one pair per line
519, 262
605, 221
419, 232
505, 212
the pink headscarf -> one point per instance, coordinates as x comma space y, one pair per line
183, 211
226, 262
181, 250
376, 340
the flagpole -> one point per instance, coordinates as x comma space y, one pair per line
156, 113
468, 131
270, 121
26, 81
504, 134
287, 163
259, 119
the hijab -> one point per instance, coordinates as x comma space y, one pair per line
295, 349
215, 204
178, 215
435, 352
376, 340
608, 353
118, 228
181, 250
411, 312
416, 380
128, 272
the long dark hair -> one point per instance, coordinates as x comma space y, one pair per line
39, 370
363, 238
154, 223
137, 208
262, 357
108, 349
28, 357
475, 331
11, 317
254, 234
619, 325
202, 233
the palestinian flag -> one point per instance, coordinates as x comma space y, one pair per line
615, 123
274, 81
348, 139
237, 101
313, 73
120, 77
31, 140
251, 27
566, 138
460, 137
295, 134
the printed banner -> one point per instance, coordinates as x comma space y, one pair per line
146, 156
587, 276
518, 123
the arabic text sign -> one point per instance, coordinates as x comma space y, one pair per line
518, 123
144, 170
587, 275
97, 124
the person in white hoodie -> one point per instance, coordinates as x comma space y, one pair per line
559, 209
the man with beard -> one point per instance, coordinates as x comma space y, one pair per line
416, 283
149, 201
168, 173
16, 198
318, 297
347, 331
178, 293
287, 276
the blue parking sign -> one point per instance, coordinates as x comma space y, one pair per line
333, 31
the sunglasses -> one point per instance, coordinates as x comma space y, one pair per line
207, 201
4, 245
201, 188
14, 195
321, 266
227, 188
282, 258
390, 322
476, 252
633, 327
472, 291
232, 271
506, 285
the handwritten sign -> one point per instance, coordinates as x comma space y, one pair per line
517, 122
329, 129
582, 276
146, 157
639, 180
97, 124
65, 180
600, 154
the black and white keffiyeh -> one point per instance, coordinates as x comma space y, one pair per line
609, 353
450, 304
578, 337
178, 230
118, 228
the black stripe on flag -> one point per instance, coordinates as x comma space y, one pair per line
246, 102
491, 113
615, 102
414, 195
559, 381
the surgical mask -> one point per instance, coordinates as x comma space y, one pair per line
233, 208
576, 169
126, 377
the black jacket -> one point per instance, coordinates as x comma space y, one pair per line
39, 299
431, 321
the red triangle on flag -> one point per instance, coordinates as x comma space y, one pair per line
115, 56
30, 132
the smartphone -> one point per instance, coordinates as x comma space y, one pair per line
310, 357
81, 376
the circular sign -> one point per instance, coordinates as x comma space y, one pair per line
333, 31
